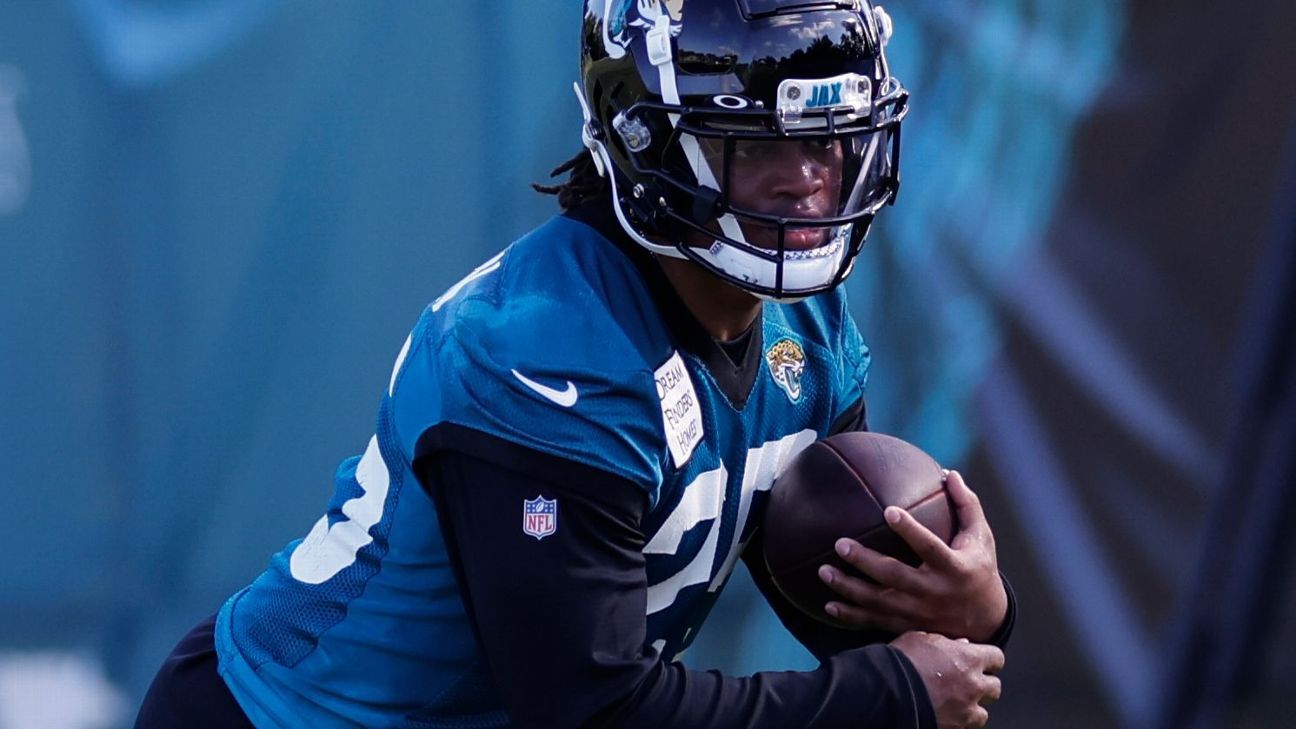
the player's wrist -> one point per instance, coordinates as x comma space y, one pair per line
997, 624
993, 615
1004, 631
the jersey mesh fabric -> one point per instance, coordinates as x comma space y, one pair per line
288, 620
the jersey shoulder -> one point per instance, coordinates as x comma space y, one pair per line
550, 345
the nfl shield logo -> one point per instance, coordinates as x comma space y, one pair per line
539, 517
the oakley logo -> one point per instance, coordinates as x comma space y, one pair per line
825, 95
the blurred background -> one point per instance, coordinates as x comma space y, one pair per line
219, 218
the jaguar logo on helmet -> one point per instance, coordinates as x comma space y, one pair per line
786, 362
657, 20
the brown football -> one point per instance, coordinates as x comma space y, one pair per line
839, 487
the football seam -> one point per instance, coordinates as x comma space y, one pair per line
829, 554
865, 481
826, 556
859, 476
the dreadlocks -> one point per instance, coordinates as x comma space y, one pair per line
583, 184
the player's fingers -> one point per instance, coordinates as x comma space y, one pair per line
920, 539
990, 657
991, 689
880, 568
866, 594
859, 617
965, 539
966, 503
979, 718
852, 588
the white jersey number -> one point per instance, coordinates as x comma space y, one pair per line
329, 549
704, 500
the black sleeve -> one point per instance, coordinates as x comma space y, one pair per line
819, 638
854, 417
561, 620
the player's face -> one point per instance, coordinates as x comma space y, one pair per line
790, 178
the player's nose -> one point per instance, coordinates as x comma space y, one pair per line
796, 175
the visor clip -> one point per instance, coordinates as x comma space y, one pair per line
706, 205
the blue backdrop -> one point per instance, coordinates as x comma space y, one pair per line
220, 217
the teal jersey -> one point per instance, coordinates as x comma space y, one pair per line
558, 345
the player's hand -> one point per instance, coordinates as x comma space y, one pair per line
959, 676
956, 591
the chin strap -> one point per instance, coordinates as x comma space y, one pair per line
587, 132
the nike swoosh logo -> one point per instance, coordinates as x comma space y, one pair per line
565, 398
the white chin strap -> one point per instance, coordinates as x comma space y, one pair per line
800, 275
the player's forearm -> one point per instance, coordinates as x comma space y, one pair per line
870, 687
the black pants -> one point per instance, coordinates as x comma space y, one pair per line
188, 692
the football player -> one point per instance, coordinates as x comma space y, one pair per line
577, 440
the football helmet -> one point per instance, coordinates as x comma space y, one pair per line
685, 100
